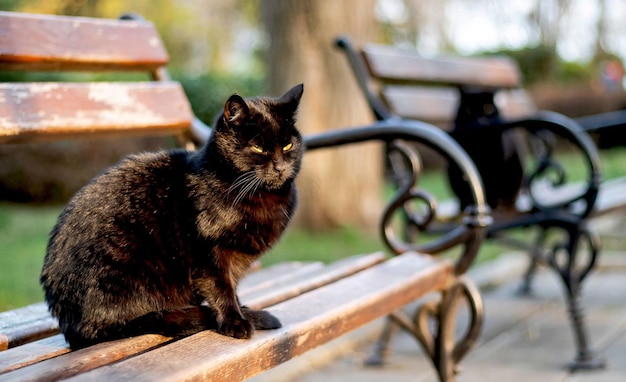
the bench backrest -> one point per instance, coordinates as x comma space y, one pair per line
402, 82
58, 110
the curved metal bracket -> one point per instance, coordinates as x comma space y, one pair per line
439, 341
394, 132
568, 129
442, 346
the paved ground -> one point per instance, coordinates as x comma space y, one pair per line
524, 338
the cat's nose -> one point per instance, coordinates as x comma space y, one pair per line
280, 165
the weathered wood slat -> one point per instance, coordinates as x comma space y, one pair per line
26, 324
31, 353
294, 287
439, 105
257, 298
430, 104
394, 64
45, 42
39, 111
21, 315
29, 323
278, 273
32, 322
72, 363
331, 310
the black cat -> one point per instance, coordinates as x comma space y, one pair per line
158, 242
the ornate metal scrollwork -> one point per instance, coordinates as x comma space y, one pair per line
549, 176
440, 341
467, 233
570, 267
449, 351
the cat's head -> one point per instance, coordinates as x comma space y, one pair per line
259, 138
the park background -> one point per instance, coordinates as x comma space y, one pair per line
571, 54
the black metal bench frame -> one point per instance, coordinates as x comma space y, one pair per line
569, 214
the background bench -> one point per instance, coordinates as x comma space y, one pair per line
479, 101
315, 302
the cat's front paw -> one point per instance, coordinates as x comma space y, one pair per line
261, 319
236, 326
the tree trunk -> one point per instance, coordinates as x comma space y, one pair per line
338, 187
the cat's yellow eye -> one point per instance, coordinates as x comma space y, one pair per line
257, 149
288, 147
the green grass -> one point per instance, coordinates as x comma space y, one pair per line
23, 238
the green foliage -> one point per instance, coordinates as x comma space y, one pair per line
536, 63
9, 5
572, 72
540, 63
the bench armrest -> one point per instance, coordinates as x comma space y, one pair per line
396, 133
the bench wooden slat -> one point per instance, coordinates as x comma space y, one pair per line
276, 274
395, 64
29, 331
31, 353
439, 105
44, 42
430, 104
257, 298
56, 368
32, 322
25, 324
293, 287
28, 313
332, 310
40, 111
29, 323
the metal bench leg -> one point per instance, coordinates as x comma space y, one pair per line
526, 288
535, 258
573, 272
381, 347
441, 344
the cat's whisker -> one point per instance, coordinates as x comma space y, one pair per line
241, 183
242, 179
248, 188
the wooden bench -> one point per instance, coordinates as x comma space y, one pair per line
315, 302
479, 101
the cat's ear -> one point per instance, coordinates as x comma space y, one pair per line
235, 110
291, 99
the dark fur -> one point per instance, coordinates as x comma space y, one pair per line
494, 152
158, 243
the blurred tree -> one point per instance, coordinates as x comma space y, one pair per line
547, 17
337, 187
418, 23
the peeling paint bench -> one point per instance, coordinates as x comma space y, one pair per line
315, 302
479, 102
